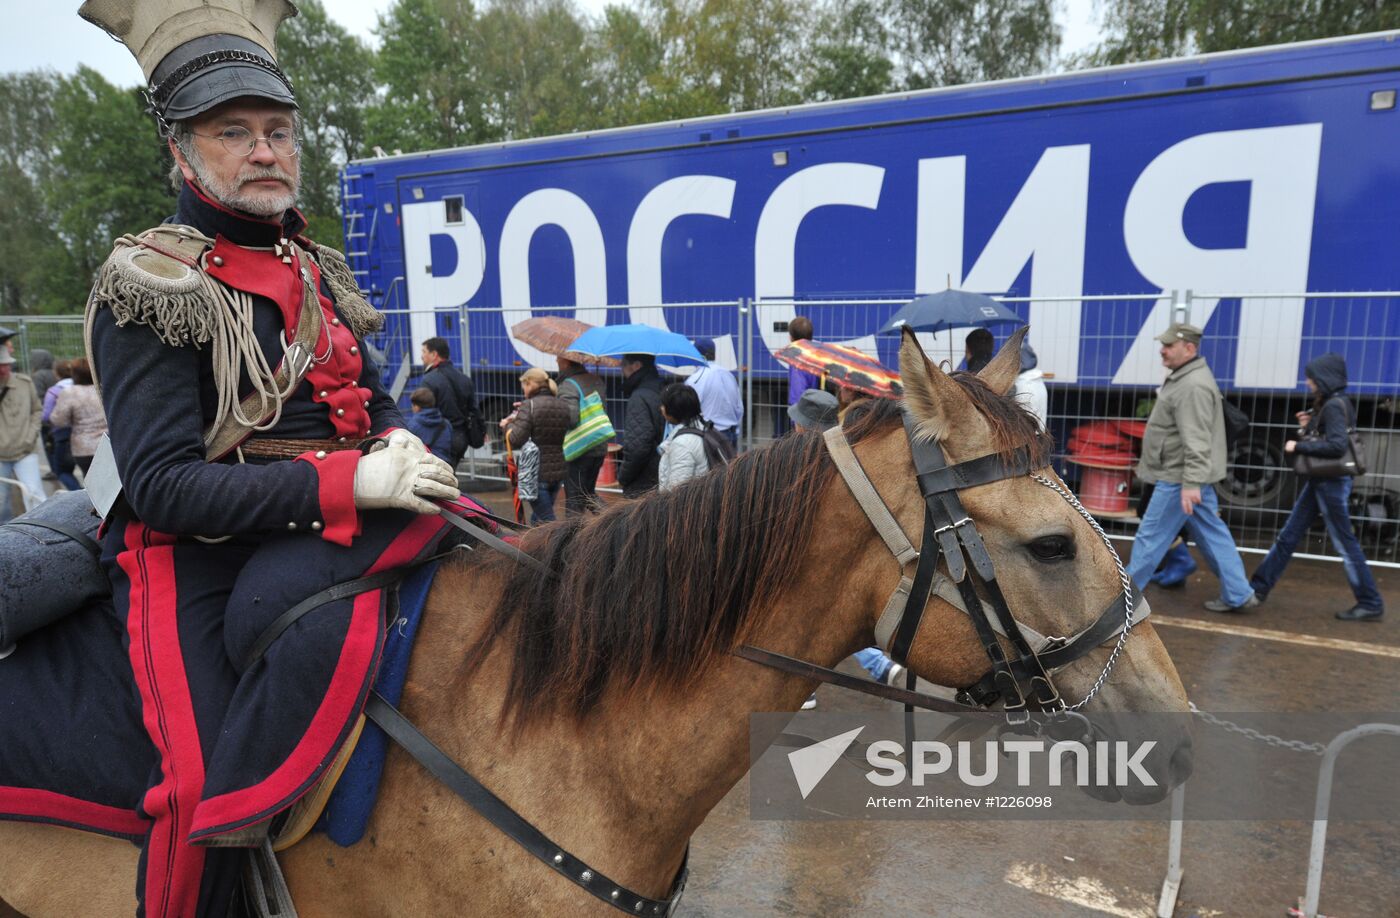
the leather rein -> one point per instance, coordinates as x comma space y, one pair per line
1021, 683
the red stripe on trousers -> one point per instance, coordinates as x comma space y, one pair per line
236, 809
174, 867
31, 803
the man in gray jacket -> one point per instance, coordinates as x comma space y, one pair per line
20, 411
1184, 452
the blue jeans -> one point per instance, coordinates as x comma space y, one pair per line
874, 662
61, 459
1327, 496
26, 472
542, 507
1164, 519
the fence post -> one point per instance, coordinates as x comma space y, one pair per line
23, 335
464, 326
1171, 885
746, 333
1181, 306
1313, 891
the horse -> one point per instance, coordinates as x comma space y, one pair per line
607, 704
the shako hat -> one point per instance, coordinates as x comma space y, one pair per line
197, 54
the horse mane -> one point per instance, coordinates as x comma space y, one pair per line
653, 592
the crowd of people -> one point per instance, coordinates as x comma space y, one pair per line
54, 407
1184, 454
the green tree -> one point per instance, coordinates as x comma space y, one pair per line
28, 241
726, 55
537, 69
627, 58
848, 56
332, 72
107, 176
1149, 29
947, 42
427, 67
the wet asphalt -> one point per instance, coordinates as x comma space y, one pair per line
1082, 868
746, 867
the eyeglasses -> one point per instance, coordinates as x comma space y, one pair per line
239, 141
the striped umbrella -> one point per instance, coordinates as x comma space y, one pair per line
845, 366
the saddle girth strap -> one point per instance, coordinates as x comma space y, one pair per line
511, 823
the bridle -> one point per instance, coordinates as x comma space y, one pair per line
1020, 683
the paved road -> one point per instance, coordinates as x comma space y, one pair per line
1290, 655
743, 867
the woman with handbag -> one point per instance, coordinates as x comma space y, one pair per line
1326, 456
543, 418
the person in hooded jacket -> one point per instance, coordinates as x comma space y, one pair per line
427, 424
1323, 433
41, 370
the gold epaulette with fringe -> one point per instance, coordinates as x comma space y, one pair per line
156, 278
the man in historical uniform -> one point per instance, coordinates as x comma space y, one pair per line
260, 459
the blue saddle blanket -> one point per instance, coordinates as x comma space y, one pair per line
347, 812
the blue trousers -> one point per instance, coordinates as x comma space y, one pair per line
874, 662
1327, 496
542, 507
1164, 519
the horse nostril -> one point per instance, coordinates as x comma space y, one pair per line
1181, 764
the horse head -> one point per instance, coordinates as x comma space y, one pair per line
1056, 570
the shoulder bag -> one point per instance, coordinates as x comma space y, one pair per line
593, 425
1350, 462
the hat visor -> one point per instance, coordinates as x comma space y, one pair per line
222, 83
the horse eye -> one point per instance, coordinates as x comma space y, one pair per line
1052, 548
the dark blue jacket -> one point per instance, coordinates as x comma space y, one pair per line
428, 425
1331, 422
159, 399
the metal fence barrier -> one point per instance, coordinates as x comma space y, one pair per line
1085, 385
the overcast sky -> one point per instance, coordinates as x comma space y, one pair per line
49, 34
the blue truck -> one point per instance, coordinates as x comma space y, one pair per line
1233, 187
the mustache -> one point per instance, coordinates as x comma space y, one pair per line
264, 173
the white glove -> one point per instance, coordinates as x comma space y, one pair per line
402, 479
399, 438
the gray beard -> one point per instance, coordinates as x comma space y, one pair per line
232, 195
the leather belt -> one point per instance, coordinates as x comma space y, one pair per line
273, 448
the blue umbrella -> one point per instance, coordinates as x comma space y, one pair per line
950, 309
617, 340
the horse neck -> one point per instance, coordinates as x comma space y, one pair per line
663, 758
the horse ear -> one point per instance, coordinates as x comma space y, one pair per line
936, 403
1000, 374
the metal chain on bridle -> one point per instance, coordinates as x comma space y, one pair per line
1227, 725
1123, 579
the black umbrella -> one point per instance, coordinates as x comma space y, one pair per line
950, 309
